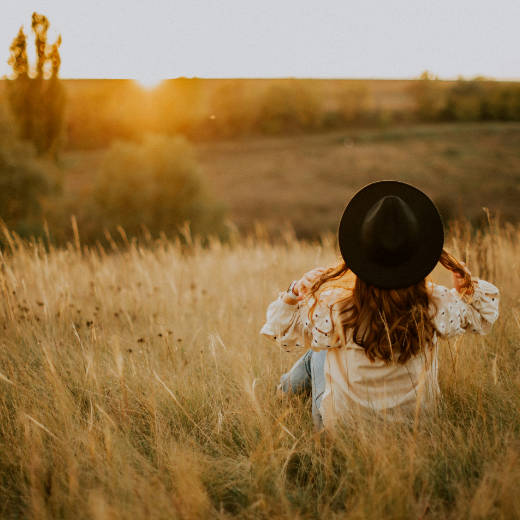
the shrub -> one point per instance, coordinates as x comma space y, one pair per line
156, 184
503, 103
24, 183
478, 99
287, 108
464, 101
426, 93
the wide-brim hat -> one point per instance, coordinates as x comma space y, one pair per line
391, 235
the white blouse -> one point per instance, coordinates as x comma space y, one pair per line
354, 384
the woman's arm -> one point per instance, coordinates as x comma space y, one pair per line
290, 323
455, 315
283, 319
283, 323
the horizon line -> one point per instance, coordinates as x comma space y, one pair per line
323, 78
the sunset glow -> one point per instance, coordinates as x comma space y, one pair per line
149, 82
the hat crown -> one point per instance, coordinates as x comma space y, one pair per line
391, 235
390, 231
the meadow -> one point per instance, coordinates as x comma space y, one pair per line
134, 384
275, 151
305, 180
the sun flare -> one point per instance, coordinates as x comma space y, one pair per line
149, 81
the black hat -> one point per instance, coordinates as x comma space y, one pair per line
391, 235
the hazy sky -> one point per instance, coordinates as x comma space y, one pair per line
271, 38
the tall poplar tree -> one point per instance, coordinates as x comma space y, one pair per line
37, 99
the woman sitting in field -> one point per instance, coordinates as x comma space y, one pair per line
371, 323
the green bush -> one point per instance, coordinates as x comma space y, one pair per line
477, 99
464, 100
157, 185
25, 181
503, 103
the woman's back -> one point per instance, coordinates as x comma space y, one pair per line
356, 384
376, 333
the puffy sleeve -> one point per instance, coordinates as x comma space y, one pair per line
455, 316
292, 327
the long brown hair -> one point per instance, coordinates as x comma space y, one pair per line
390, 324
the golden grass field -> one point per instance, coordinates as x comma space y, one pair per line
134, 384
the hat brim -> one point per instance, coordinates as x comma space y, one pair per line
424, 257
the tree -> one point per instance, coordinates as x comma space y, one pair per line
37, 101
427, 95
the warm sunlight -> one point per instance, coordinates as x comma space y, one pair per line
224, 291
149, 82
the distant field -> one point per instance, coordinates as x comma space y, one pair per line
100, 111
384, 93
306, 180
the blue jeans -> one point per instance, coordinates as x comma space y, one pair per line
308, 374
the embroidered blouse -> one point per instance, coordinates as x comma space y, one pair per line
354, 384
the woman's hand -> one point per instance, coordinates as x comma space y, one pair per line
304, 284
299, 289
458, 280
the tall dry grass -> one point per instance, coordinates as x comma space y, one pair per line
134, 384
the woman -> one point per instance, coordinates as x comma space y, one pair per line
371, 323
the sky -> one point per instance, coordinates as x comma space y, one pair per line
155, 39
